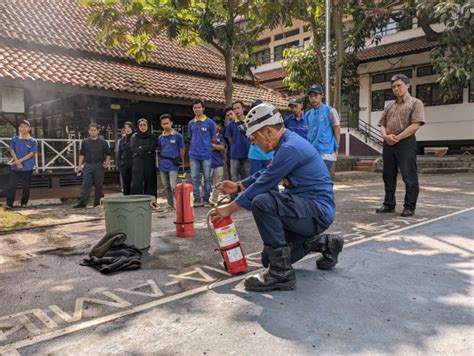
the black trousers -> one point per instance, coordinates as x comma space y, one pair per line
144, 176
401, 156
126, 173
92, 174
25, 178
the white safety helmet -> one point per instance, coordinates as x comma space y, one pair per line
260, 116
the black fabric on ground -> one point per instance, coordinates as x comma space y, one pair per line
111, 254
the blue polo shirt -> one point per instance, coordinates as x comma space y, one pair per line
298, 126
169, 146
217, 160
298, 161
22, 147
200, 132
239, 148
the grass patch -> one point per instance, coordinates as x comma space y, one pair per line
11, 219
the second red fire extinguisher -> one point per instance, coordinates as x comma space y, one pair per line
228, 243
184, 209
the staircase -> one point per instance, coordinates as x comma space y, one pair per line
361, 134
364, 165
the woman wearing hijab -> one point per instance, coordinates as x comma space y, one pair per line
143, 147
125, 160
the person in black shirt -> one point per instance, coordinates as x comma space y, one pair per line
95, 152
125, 159
143, 147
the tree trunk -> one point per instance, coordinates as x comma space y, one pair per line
319, 55
229, 87
338, 26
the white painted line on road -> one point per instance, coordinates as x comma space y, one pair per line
139, 308
409, 227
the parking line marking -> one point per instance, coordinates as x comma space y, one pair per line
139, 308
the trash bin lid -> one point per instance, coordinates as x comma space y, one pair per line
136, 198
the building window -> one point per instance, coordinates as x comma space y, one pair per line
278, 51
394, 25
306, 42
386, 77
471, 91
424, 71
287, 34
262, 56
263, 41
380, 99
430, 95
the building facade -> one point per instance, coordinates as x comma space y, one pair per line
401, 47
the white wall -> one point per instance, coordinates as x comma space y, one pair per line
443, 122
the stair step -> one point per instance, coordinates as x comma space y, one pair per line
363, 168
364, 164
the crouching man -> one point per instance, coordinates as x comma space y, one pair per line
289, 223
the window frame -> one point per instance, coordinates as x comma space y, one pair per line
434, 88
387, 96
283, 47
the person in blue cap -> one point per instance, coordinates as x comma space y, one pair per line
297, 121
23, 149
290, 223
324, 130
171, 151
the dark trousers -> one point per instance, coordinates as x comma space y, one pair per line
25, 178
92, 175
285, 219
401, 156
144, 176
126, 174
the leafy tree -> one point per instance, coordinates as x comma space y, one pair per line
453, 56
308, 66
231, 26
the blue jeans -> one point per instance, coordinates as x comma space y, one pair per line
196, 167
239, 168
328, 164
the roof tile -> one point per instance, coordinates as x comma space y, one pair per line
101, 73
389, 50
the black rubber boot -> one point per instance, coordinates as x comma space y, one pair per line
278, 276
330, 245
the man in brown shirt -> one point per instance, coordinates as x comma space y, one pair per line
398, 124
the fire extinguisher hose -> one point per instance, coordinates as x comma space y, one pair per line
211, 230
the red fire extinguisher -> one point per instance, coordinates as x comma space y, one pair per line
228, 243
184, 209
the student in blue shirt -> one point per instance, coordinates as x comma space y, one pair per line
23, 149
171, 149
239, 144
296, 121
324, 130
202, 132
290, 223
217, 165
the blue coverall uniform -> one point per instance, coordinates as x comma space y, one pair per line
306, 207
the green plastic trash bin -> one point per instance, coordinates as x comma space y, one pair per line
130, 214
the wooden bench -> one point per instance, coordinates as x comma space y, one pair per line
438, 151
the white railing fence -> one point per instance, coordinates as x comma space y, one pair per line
53, 154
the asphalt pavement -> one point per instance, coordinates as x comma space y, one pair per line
402, 286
